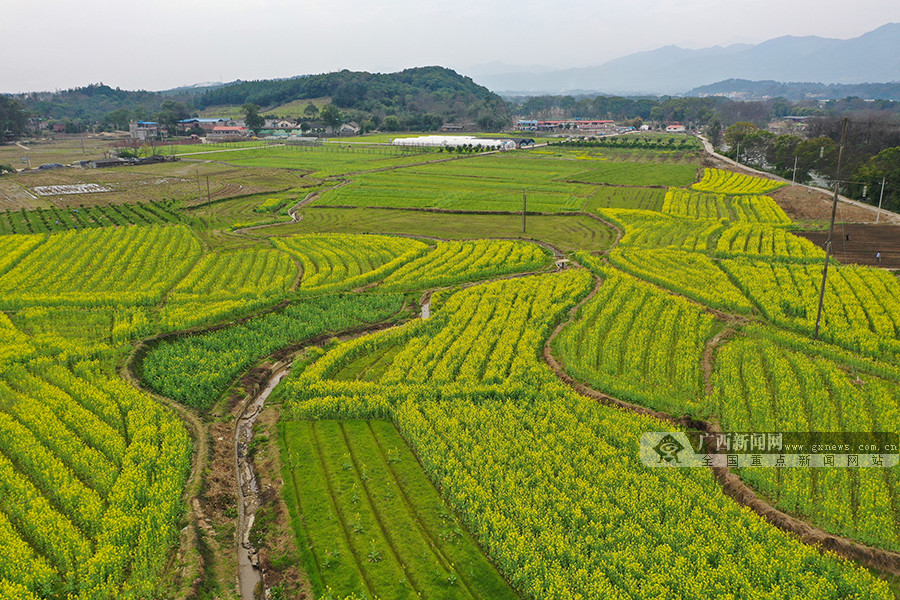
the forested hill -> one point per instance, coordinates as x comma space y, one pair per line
91, 102
438, 93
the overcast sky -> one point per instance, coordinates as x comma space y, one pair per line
161, 44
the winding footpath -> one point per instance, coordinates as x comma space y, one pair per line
732, 485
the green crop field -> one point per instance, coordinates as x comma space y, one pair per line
101, 215
320, 161
464, 400
567, 232
626, 197
383, 514
640, 174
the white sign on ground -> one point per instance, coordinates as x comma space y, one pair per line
79, 188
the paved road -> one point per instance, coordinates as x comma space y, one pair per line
886, 215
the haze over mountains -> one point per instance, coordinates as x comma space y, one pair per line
872, 57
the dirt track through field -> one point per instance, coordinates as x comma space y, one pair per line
732, 485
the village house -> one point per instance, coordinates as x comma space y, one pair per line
222, 132
351, 128
206, 125
146, 130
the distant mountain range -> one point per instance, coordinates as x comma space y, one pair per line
872, 57
743, 89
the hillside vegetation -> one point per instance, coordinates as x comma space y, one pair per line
418, 98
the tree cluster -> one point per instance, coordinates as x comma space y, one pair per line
13, 119
871, 154
422, 98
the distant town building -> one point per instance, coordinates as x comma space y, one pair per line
146, 130
557, 124
224, 131
206, 125
675, 128
351, 128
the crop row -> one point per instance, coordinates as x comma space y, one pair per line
237, 274
549, 483
130, 265
717, 206
510, 316
632, 332
692, 274
761, 386
456, 262
333, 262
271, 205
649, 229
380, 529
720, 181
14, 247
762, 241
197, 369
635, 198
600, 171
422, 187
91, 472
861, 306
54, 219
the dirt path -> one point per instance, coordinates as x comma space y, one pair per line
619, 232
709, 355
310, 197
230, 150
187, 561
733, 486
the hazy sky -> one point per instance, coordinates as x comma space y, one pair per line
160, 44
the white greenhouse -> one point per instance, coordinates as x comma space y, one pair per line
452, 141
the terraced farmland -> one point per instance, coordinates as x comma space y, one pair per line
335, 261
728, 182
749, 208
542, 428
456, 262
632, 332
101, 215
429, 440
133, 265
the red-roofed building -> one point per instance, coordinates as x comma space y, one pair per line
579, 124
222, 131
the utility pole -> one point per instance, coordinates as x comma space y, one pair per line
837, 183
880, 198
524, 210
737, 155
208, 197
794, 176
199, 191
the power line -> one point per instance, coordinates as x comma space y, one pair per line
844, 127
